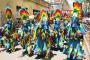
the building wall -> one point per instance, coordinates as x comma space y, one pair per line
23, 3
66, 5
62, 5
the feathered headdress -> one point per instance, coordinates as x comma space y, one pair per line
24, 14
57, 14
8, 13
43, 14
78, 9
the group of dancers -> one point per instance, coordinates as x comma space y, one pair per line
38, 38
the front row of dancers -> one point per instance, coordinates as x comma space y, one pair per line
68, 36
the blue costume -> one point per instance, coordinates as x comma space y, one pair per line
57, 24
25, 28
40, 44
45, 25
74, 41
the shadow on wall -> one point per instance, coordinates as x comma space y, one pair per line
2, 18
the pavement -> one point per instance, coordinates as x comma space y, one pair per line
18, 55
57, 55
87, 43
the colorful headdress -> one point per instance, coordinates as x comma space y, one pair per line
8, 13
57, 14
78, 9
24, 14
43, 14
